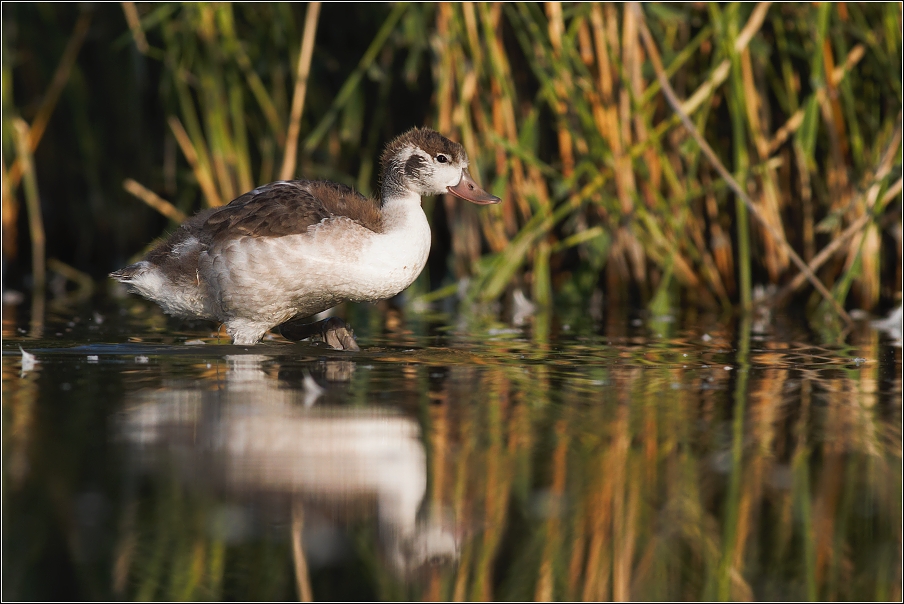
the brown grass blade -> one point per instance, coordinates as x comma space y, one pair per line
153, 200
301, 88
60, 78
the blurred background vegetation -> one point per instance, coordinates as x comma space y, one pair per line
607, 197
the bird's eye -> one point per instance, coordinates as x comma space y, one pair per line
442, 158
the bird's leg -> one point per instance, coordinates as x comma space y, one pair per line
334, 331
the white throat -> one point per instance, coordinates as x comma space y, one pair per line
400, 211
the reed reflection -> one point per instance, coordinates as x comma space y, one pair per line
695, 468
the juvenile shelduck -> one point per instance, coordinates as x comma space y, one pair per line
294, 248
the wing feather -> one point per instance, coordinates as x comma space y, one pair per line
288, 208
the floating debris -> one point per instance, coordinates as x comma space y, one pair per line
28, 360
522, 308
892, 325
312, 390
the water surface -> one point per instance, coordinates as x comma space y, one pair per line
451, 459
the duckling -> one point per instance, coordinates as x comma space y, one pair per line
293, 248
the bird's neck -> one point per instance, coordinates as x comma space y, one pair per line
402, 211
399, 203
391, 185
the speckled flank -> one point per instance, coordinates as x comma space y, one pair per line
264, 282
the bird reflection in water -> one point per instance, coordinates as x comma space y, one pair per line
260, 437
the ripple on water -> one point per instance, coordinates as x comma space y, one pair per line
438, 455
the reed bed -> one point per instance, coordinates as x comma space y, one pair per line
619, 197
609, 199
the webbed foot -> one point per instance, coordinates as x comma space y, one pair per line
334, 331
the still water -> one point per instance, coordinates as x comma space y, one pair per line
451, 459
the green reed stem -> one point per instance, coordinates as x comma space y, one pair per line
735, 99
33, 207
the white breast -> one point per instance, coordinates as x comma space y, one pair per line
272, 279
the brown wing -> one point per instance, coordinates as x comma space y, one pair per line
287, 208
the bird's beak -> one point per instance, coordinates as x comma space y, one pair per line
470, 190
